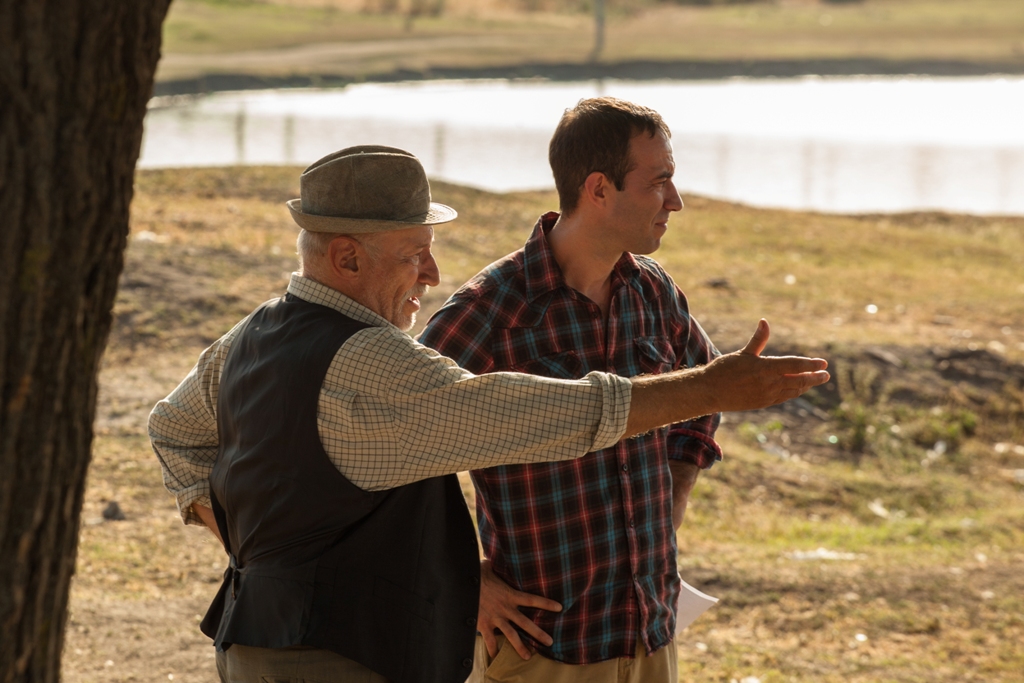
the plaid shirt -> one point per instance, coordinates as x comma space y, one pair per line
594, 534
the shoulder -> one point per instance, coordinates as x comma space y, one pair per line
375, 360
502, 278
488, 296
213, 357
655, 280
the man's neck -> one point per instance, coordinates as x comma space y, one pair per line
586, 262
340, 286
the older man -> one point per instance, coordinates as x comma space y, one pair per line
319, 441
595, 535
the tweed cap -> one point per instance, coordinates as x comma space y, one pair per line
369, 188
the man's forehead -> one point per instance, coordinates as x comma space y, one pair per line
652, 153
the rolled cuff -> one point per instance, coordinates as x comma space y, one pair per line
695, 447
617, 392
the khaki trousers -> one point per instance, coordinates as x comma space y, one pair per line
507, 667
241, 664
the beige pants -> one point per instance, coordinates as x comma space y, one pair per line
507, 667
241, 664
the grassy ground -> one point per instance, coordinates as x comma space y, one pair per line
342, 38
907, 469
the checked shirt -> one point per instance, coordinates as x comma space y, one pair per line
392, 412
594, 534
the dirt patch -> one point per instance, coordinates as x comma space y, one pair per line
138, 640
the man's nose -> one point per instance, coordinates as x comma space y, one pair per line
430, 275
673, 202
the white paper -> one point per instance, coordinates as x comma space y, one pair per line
691, 604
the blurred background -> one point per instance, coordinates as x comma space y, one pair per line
852, 170
874, 105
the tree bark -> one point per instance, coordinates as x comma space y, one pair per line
75, 76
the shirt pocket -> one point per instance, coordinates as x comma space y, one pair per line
656, 355
524, 350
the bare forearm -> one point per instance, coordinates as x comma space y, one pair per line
659, 400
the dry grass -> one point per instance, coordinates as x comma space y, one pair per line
932, 579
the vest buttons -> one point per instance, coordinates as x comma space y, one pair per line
471, 622
474, 580
467, 663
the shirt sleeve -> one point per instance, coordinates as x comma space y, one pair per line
692, 441
183, 430
393, 412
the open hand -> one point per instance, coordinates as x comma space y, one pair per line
499, 609
746, 380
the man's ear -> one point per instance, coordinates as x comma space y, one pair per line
595, 189
345, 257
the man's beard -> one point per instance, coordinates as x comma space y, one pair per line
406, 324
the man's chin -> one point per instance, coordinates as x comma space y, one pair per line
648, 248
406, 323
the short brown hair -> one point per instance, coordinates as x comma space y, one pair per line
594, 136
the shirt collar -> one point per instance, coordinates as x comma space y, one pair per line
312, 291
542, 272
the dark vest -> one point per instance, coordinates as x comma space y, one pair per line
389, 579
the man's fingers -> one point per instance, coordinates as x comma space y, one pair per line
515, 641
803, 381
538, 601
806, 380
499, 609
757, 342
490, 642
794, 365
817, 378
792, 386
532, 630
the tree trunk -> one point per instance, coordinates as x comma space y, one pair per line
75, 76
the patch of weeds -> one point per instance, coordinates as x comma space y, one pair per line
855, 425
758, 434
904, 436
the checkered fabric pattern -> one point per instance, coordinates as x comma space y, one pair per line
596, 533
392, 412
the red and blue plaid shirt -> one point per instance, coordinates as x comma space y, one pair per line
595, 533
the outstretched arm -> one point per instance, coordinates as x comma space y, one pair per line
742, 380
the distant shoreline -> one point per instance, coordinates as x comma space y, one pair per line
640, 70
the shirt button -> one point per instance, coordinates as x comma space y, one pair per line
636, 577
467, 663
471, 621
631, 523
625, 468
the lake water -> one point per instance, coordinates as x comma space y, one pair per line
837, 145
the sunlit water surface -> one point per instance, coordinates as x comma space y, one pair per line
838, 145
